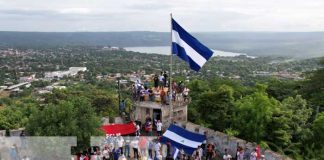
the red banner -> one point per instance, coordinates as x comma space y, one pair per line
122, 129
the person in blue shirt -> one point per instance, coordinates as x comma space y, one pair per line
122, 106
116, 153
14, 152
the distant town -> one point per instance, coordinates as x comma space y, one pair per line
21, 67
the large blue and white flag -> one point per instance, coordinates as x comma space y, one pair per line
182, 139
188, 48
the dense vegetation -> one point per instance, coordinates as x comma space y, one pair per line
281, 114
285, 116
75, 111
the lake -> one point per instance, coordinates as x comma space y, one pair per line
165, 50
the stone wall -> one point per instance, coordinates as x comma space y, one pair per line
223, 141
16, 132
118, 120
105, 120
2, 133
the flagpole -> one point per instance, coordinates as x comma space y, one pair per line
171, 93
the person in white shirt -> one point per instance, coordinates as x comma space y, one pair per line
159, 128
95, 156
227, 156
24, 158
105, 153
253, 155
157, 148
185, 94
240, 153
120, 143
161, 79
122, 157
200, 150
196, 154
138, 130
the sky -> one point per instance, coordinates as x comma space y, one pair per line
154, 15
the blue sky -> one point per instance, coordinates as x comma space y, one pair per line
153, 15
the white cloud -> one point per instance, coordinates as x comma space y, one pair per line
153, 15
80, 11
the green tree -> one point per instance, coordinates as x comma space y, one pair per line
253, 113
313, 87
278, 129
215, 108
301, 114
281, 89
289, 126
197, 87
314, 148
105, 105
318, 130
10, 118
75, 117
40, 83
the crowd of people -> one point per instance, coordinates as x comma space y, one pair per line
210, 152
143, 147
160, 90
122, 148
242, 154
148, 126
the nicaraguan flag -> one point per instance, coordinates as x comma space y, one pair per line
182, 139
175, 153
189, 48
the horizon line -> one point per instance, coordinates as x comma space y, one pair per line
164, 31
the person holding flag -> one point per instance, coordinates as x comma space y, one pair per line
182, 138
175, 153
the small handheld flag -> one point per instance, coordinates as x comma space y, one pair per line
188, 48
175, 153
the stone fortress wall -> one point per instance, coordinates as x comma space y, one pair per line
223, 141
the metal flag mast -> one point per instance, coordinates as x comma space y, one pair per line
170, 86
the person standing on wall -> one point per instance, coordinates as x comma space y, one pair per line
159, 128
